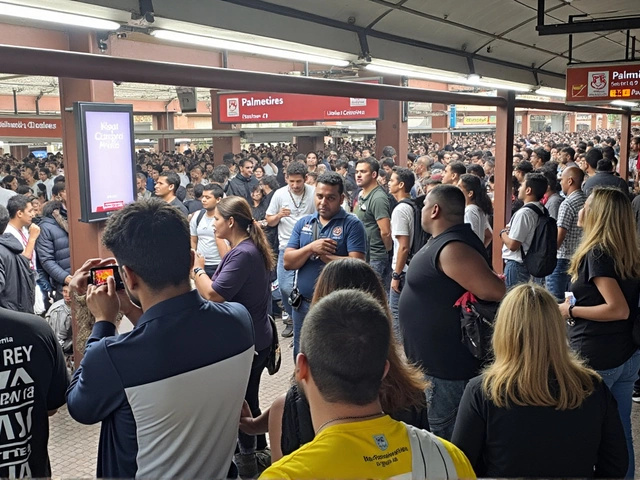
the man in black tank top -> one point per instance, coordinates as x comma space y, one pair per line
453, 261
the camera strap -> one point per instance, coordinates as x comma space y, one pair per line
314, 237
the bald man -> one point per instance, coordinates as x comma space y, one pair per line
569, 234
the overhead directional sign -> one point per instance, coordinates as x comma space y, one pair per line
603, 83
264, 107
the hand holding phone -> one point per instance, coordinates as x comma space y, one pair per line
98, 276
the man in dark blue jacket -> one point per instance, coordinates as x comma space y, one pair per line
52, 246
169, 393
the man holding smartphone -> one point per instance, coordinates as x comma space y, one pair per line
288, 205
136, 383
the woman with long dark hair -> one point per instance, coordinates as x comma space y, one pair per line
243, 277
478, 208
605, 271
288, 421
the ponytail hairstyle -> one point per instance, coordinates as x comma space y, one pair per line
239, 209
480, 198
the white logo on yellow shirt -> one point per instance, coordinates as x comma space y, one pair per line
381, 441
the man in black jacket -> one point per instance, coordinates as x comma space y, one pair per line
17, 281
52, 246
244, 182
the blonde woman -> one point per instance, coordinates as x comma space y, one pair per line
605, 273
537, 410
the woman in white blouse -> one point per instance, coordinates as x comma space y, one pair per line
479, 207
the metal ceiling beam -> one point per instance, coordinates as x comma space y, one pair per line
32, 61
562, 107
310, 17
583, 26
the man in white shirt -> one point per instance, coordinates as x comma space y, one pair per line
267, 163
520, 231
288, 205
5, 195
402, 225
21, 226
44, 175
203, 238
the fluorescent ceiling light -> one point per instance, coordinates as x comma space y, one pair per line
449, 77
624, 103
33, 13
473, 79
253, 49
444, 77
551, 92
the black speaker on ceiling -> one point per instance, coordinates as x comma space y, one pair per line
188, 99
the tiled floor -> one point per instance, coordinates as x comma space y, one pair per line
73, 447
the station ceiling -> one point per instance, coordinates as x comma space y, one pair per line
491, 38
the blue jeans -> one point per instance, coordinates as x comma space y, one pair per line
298, 318
394, 299
515, 273
285, 282
559, 280
620, 381
383, 269
443, 400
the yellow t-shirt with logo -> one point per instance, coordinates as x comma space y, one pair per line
377, 448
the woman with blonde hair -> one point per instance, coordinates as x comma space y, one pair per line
537, 410
243, 277
402, 392
605, 271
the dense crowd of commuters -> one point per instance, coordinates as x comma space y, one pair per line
371, 266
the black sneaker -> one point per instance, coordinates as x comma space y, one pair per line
636, 396
288, 330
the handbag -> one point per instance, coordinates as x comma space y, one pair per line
275, 355
477, 318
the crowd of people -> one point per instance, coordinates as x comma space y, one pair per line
373, 267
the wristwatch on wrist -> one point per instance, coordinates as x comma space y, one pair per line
197, 270
571, 312
396, 276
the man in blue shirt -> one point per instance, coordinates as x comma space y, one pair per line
329, 234
168, 393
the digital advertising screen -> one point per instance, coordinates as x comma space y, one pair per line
106, 154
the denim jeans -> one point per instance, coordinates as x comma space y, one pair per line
515, 273
394, 298
443, 400
383, 269
559, 280
285, 282
298, 318
620, 381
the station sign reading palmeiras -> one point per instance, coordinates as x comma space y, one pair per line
603, 83
265, 107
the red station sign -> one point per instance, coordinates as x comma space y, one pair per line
32, 127
603, 83
264, 107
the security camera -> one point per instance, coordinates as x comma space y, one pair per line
351, 20
149, 17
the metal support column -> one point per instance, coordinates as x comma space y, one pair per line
505, 129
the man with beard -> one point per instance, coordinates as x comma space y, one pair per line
169, 392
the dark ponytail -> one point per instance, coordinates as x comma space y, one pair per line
473, 184
239, 209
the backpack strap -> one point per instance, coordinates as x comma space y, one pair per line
429, 456
200, 215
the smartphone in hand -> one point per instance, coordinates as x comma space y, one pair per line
98, 276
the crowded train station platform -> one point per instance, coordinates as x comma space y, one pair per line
337, 239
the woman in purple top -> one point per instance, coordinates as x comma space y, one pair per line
243, 277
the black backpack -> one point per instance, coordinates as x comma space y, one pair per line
420, 237
540, 260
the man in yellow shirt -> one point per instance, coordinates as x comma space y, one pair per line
342, 361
